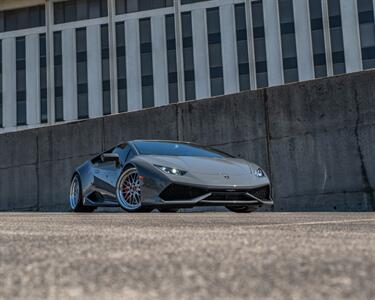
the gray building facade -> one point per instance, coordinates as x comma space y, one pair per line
67, 60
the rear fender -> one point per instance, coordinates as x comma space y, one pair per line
85, 173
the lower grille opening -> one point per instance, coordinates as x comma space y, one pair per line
176, 192
181, 192
261, 193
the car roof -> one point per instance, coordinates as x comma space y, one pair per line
132, 142
161, 141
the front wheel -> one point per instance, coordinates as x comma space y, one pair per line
75, 196
129, 191
242, 209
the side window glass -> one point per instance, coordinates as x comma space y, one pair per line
131, 154
98, 159
122, 151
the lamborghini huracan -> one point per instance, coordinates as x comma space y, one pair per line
142, 175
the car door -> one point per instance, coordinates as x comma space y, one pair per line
106, 173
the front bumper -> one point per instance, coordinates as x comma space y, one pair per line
196, 202
184, 195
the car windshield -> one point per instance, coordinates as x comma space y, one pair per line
177, 149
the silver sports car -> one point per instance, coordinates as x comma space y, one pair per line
142, 175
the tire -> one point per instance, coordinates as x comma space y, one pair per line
128, 191
75, 197
168, 210
242, 209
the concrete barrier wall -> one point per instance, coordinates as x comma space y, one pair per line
315, 139
321, 143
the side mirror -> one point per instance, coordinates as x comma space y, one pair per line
106, 157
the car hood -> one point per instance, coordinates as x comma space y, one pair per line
201, 165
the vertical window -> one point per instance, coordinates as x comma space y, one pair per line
288, 40
82, 8
187, 36
22, 18
171, 56
337, 41
214, 51
129, 6
75, 10
191, 1
97, 8
367, 32
59, 110
121, 67
120, 6
259, 44
105, 70
146, 63
242, 49
43, 78
21, 80
317, 35
1, 84
82, 86
69, 11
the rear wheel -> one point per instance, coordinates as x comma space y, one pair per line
129, 191
242, 209
75, 196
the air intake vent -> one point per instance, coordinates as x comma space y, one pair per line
181, 192
176, 192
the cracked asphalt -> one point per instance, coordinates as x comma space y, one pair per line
187, 256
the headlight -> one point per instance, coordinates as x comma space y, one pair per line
171, 171
259, 173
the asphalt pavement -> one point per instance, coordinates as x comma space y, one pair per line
187, 256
